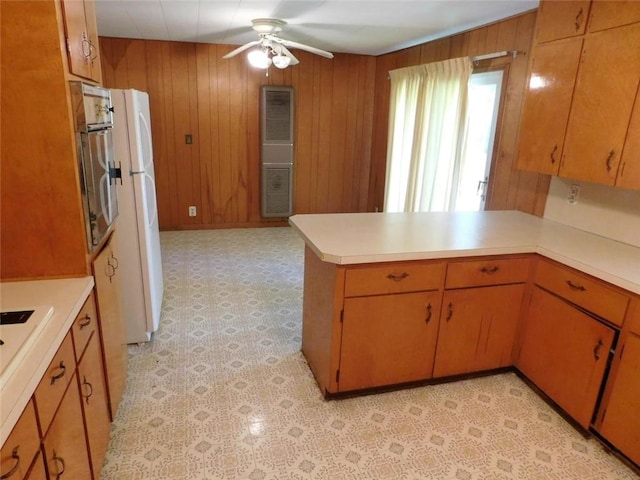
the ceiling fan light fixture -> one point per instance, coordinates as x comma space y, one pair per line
259, 58
281, 61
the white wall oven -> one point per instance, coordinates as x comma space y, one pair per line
93, 114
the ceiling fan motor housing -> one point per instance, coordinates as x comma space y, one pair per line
265, 26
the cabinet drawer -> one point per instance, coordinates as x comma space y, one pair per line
84, 325
54, 383
21, 446
487, 272
401, 277
586, 292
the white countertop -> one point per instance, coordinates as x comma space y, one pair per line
352, 238
67, 297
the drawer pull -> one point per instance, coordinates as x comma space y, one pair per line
490, 270
578, 21
88, 388
553, 154
596, 350
429, 313
609, 159
86, 322
59, 460
576, 287
14, 469
55, 378
396, 277
450, 313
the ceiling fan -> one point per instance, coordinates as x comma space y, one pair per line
271, 49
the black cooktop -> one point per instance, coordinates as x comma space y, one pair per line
14, 318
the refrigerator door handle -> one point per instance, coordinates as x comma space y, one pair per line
139, 172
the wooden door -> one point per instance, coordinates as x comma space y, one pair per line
629, 172
621, 422
607, 14
561, 19
37, 471
112, 328
95, 404
92, 33
605, 90
477, 329
547, 105
65, 445
78, 41
388, 339
564, 352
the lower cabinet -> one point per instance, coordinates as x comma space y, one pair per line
112, 328
388, 339
620, 419
565, 352
21, 446
477, 329
65, 446
95, 404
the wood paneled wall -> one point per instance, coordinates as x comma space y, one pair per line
194, 91
509, 188
341, 124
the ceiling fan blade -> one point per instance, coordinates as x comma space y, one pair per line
244, 47
302, 46
286, 52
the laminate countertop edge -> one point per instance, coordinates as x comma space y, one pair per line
358, 238
67, 296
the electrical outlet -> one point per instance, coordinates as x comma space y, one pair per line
574, 192
192, 211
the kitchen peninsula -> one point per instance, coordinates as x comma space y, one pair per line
399, 298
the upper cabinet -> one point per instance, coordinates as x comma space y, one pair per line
561, 19
81, 36
577, 117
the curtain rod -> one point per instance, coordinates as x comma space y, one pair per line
490, 56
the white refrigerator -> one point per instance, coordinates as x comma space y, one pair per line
138, 237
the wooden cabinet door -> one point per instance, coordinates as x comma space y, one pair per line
65, 445
388, 339
605, 90
78, 41
92, 33
564, 352
477, 329
21, 446
547, 105
607, 14
621, 422
37, 472
95, 404
629, 172
112, 329
561, 19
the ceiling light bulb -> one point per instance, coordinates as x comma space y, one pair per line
259, 59
281, 61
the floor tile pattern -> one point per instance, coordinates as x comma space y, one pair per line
223, 392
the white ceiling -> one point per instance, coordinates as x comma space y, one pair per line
370, 27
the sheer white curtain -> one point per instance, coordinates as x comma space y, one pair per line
426, 128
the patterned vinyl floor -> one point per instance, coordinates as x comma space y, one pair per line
223, 392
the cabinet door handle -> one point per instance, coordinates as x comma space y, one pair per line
86, 321
88, 388
576, 287
429, 313
450, 313
578, 22
113, 261
55, 378
14, 469
58, 460
596, 350
553, 154
610, 160
396, 277
490, 270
